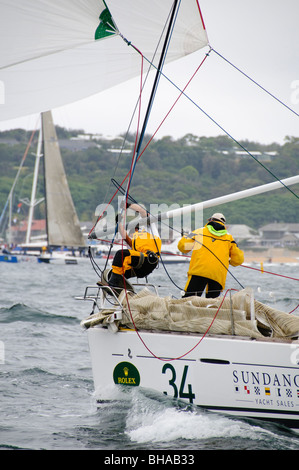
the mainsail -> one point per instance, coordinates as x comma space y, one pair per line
54, 52
63, 228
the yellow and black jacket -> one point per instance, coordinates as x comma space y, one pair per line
144, 241
213, 249
142, 259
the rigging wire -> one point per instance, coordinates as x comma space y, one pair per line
134, 111
137, 145
136, 157
152, 137
255, 82
172, 20
18, 173
269, 272
226, 132
137, 153
121, 189
95, 266
182, 92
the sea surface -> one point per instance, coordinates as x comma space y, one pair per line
47, 395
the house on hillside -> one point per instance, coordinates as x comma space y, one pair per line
18, 231
280, 234
264, 157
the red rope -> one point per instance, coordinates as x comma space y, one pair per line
190, 350
162, 122
294, 309
269, 272
274, 274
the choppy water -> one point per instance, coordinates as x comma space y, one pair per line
47, 399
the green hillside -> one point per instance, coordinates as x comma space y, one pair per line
183, 171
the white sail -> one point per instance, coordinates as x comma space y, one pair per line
63, 226
54, 52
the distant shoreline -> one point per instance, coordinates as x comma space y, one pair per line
271, 255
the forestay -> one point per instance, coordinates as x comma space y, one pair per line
54, 52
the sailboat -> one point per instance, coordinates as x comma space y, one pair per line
62, 223
231, 355
63, 232
171, 254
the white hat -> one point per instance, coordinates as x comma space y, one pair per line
218, 216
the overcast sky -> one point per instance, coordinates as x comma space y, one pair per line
261, 37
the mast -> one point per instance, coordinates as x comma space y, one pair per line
33, 201
158, 74
10, 197
155, 84
44, 175
151, 99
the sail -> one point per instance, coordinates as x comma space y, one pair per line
54, 52
63, 226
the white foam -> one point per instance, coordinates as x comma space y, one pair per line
171, 424
112, 392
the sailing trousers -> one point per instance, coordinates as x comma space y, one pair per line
197, 284
130, 263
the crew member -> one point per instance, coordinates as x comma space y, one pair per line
143, 254
213, 249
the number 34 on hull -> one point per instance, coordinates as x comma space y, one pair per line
218, 375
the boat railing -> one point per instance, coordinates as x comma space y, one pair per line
98, 296
108, 302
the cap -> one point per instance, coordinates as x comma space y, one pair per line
218, 216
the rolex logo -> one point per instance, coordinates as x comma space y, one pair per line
126, 373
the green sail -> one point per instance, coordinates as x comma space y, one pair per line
106, 27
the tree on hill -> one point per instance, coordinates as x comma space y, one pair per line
184, 171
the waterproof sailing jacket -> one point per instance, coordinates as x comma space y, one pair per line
144, 241
213, 249
142, 259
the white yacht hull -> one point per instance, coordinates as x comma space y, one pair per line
227, 374
57, 258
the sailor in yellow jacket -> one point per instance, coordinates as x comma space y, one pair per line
213, 249
143, 254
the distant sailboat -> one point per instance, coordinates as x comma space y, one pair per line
62, 223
